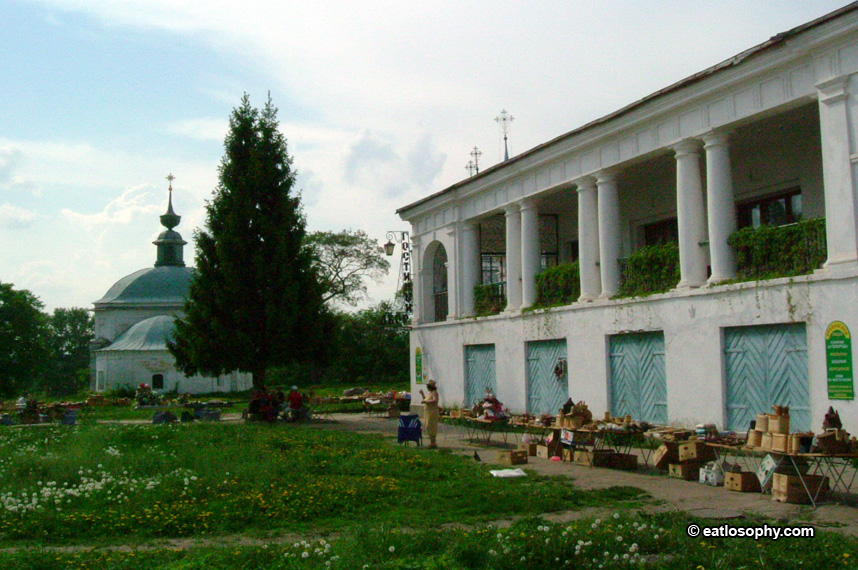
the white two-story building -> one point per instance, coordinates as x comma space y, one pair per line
767, 139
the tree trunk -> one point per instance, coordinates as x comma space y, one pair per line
259, 379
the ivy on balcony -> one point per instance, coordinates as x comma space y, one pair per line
769, 252
489, 299
558, 285
649, 270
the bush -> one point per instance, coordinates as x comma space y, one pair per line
558, 285
651, 269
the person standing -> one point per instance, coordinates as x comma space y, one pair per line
431, 412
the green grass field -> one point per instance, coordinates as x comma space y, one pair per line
311, 498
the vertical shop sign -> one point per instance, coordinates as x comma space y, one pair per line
838, 357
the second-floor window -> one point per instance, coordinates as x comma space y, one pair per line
778, 210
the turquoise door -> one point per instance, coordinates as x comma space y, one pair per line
480, 372
547, 388
638, 378
766, 366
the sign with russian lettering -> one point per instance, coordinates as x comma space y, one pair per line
838, 357
418, 365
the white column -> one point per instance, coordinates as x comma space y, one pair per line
609, 234
588, 240
416, 280
690, 214
837, 123
530, 252
722, 208
453, 273
470, 266
513, 258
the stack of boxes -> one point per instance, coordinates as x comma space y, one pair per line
690, 455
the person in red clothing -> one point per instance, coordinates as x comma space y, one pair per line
297, 410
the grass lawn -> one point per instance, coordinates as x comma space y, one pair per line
90, 488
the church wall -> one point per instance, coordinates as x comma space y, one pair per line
130, 368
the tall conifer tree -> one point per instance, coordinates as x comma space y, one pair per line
255, 301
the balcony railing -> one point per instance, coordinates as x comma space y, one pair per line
769, 252
489, 299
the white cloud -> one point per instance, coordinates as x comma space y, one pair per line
14, 218
206, 129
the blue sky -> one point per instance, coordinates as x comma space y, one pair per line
380, 102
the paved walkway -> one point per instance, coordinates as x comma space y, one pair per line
667, 494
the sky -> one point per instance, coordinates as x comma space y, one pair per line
381, 103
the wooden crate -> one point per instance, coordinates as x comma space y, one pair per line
530, 448
625, 461
517, 457
778, 424
789, 488
780, 442
695, 451
666, 454
741, 482
601, 458
690, 471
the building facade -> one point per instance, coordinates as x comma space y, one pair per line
134, 321
768, 139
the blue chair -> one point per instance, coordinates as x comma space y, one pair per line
410, 429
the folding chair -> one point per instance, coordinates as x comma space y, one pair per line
410, 429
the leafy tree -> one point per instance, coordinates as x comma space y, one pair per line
344, 260
23, 351
255, 301
373, 346
69, 334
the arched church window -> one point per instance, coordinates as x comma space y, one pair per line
439, 283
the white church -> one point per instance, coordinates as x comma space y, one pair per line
768, 138
134, 320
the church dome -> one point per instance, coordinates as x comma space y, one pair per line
165, 285
151, 334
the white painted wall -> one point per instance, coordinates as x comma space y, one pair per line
692, 322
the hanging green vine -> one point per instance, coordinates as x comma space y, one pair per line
769, 252
489, 299
651, 269
558, 285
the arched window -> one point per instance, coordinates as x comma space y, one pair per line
157, 381
439, 283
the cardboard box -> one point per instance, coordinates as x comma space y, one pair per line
742, 482
766, 442
695, 451
601, 458
548, 450
512, 457
625, 461
762, 422
688, 471
789, 488
665, 455
712, 475
530, 448
780, 442
778, 424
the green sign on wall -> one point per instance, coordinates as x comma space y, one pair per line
838, 357
418, 365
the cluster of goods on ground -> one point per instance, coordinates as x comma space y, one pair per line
798, 467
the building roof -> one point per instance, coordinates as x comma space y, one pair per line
151, 334
773, 42
165, 285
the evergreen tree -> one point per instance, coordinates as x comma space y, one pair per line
255, 301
